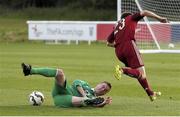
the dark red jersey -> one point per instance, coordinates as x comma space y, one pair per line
125, 29
125, 46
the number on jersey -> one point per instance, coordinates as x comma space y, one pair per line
120, 26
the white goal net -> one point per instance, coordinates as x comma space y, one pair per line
151, 35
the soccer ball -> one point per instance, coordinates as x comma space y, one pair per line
171, 45
36, 98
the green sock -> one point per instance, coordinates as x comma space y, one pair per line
48, 72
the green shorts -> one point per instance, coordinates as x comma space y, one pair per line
62, 96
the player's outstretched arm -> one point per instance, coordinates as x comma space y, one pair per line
110, 40
153, 15
81, 91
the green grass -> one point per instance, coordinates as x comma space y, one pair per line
90, 63
13, 30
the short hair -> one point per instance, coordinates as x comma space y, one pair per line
109, 84
125, 14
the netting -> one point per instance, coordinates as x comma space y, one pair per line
151, 34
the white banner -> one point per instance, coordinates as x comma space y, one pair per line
61, 31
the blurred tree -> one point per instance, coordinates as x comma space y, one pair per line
28, 3
65, 2
105, 4
97, 4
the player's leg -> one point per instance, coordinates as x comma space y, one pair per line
140, 75
144, 83
134, 73
73, 101
44, 71
135, 66
29, 70
130, 56
132, 60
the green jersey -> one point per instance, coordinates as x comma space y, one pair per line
62, 96
86, 87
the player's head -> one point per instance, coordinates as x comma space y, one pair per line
102, 88
125, 14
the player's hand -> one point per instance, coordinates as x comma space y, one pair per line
107, 100
111, 44
163, 20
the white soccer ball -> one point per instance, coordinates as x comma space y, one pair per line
171, 45
36, 98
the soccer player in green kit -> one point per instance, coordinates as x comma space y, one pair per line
77, 95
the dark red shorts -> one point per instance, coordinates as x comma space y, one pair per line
129, 54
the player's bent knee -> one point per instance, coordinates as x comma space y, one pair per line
142, 72
60, 74
144, 76
60, 77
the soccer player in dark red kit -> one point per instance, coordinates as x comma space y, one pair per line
122, 39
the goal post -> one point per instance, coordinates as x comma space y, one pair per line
148, 25
151, 35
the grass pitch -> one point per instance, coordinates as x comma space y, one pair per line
94, 64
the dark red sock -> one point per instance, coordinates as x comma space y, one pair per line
137, 74
132, 72
145, 85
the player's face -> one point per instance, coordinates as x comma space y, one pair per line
101, 89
